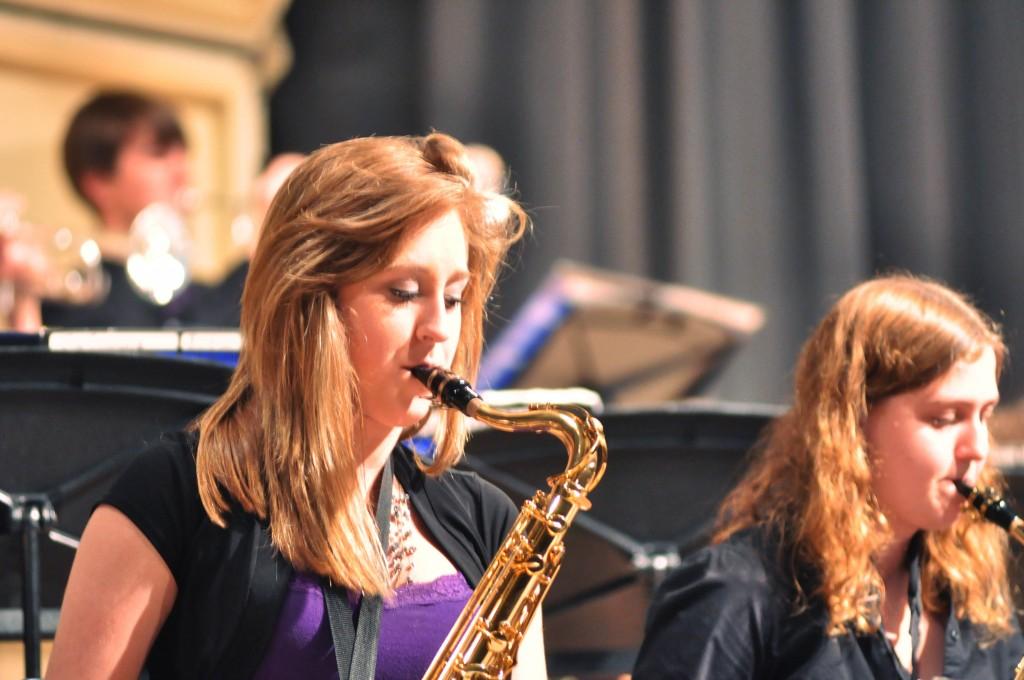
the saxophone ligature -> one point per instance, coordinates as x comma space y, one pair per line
987, 504
484, 640
993, 508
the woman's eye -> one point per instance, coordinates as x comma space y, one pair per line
452, 301
403, 295
943, 421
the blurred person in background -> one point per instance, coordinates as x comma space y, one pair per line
221, 303
123, 152
22, 270
490, 170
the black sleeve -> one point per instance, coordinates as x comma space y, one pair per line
711, 619
497, 514
493, 511
467, 516
159, 493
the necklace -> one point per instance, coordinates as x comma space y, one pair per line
400, 547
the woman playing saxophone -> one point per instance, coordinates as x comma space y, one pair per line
292, 511
844, 552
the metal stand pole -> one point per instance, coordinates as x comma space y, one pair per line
31, 515
30, 590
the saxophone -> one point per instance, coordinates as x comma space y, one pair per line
483, 643
996, 510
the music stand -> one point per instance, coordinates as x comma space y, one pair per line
669, 467
70, 422
631, 340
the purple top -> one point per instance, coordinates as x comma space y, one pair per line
412, 627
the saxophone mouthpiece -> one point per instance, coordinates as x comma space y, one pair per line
423, 373
449, 389
990, 506
962, 488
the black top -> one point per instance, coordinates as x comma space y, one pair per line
123, 306
219, 305
727, 613
232, 582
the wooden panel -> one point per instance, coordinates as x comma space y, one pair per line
251, 24
12, 659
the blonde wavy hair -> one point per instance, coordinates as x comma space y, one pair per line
278, 442
810, 483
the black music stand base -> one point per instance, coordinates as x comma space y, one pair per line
71, 423
30, 515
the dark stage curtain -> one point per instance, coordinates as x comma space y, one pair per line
770, 150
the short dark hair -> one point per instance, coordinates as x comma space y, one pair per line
102, 126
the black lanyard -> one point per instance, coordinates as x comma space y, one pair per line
914, 600
355, 647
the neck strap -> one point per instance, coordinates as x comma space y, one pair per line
355, 641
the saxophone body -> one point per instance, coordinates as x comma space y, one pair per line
996, 510
483, 643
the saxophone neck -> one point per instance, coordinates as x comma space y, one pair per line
995, 509
484, 641
449, 389
580, 433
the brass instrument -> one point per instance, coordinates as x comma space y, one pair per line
485, 639
996, 510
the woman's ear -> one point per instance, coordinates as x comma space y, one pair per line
96, 187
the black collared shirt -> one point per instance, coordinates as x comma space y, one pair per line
727, 613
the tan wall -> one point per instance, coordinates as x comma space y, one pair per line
12, 659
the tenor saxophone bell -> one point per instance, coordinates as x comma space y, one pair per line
484, 641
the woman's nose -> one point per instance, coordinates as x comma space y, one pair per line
434, 322
975, 442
